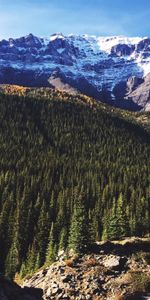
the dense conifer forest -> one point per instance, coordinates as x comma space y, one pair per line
70, 174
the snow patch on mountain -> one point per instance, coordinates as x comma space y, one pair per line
106, 43
56, 36
101, 61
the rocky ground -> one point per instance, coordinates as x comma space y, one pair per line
117, 270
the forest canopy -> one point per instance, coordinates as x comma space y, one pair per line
64, 164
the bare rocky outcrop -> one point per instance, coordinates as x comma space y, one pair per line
105, 274
57, 82
141, 94
135, 93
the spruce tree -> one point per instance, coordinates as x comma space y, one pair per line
80, 235
28, 267
63, 239
118, 225
52, 247
12, 259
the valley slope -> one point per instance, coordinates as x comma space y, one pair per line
61, 159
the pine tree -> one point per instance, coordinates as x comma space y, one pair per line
80, 236
52, 247
12, 260
42, 234
28, 267
118, 226
123, 222
63, 239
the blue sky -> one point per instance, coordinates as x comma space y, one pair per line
98, 17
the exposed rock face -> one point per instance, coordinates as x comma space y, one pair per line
135, 89
83, 278
132, 83
11, 291
104, 275
96, 66
58, 82
141, 94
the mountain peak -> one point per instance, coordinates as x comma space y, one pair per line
32, 38
95, 64
30, 35
57, 35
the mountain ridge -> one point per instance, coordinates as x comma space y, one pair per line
89, 64
139, 118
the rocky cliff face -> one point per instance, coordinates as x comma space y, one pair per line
116, 271
91, 65
141, 93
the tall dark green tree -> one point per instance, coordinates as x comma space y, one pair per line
80, 235
51, 251
118, 224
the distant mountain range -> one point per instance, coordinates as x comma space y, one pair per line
111, 69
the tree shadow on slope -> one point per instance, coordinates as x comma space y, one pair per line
120, 248
11, 291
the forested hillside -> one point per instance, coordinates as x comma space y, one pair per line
64, 165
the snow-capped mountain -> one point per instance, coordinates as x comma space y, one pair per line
97, 66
